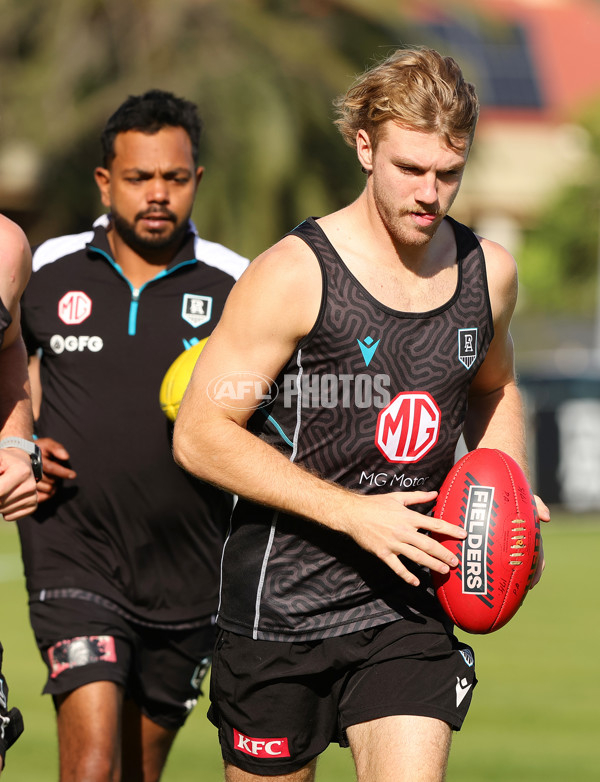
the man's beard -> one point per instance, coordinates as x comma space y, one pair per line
398, 223
150, 243
403, 231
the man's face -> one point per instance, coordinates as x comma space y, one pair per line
150, 188
415, 177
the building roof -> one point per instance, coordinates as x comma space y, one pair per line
532, 57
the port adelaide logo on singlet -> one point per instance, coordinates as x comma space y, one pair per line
467, 346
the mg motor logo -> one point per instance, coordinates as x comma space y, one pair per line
74, 307
408, 427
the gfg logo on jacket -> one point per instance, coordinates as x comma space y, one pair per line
408, 427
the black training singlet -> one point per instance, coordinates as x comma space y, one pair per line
375, 400
5, 321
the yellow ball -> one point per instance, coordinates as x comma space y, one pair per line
176, 379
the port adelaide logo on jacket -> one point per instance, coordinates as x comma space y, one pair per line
196, 309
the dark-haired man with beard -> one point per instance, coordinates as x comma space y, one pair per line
122, 556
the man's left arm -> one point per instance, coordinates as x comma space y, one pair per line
496, 416
18, 496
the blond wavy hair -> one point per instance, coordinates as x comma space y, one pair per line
417, 88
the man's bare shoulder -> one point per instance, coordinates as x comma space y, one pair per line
498, 259
501, 270
289, 266
13, 237
282, 285
15, 261
290, 255
501, 266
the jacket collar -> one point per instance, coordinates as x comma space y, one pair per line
99, 241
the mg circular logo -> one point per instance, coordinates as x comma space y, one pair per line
74, 307
408, 427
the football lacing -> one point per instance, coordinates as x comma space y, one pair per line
519, 543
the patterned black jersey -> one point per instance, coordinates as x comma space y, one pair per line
132, 526
375, 400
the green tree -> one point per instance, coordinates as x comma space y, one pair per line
560, 256
263, 72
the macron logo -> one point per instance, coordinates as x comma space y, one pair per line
368, 348
261, 748
462, 688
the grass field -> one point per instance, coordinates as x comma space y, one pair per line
535, 717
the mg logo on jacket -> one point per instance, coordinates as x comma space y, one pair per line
74, 307
408, 427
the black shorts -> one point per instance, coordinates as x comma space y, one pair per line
278, 705
160, 669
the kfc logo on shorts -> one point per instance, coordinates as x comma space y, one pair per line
408, 427
260, 748
74, 307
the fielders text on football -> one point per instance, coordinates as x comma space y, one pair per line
477, 520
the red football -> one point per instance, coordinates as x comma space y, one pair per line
487, 494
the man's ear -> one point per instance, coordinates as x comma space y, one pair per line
102, 177
199, 174
364, 150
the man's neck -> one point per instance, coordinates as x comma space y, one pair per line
138, 269
406, 278
360, 227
